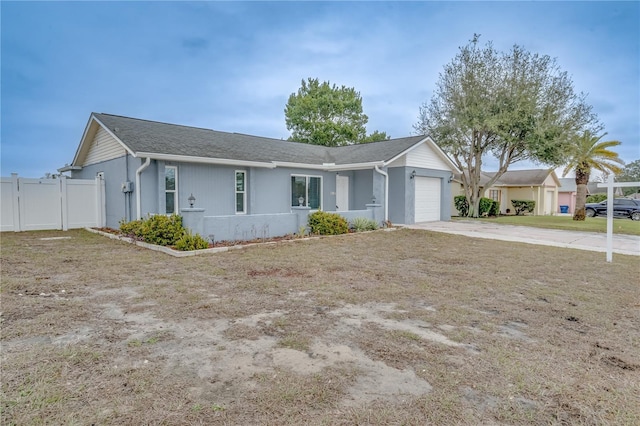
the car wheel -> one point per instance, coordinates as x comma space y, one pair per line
635, 216
590, 213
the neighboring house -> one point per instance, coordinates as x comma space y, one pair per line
248, 186
540, 185
567, 194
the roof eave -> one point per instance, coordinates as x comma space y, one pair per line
203, 160
69, 168
330, 167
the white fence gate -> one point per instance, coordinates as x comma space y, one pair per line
38, 204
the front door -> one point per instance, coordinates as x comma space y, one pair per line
549, 208
342, 193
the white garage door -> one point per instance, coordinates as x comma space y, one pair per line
427, 199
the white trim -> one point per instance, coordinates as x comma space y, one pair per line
306, 201
205, 160
176, 208
244, 192
82, 140
328, 167
68, 168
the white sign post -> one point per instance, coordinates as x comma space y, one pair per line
610, 185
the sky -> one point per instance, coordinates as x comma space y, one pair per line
231, 66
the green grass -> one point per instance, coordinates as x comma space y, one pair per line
591, 224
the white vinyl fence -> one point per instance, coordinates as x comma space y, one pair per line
38, 204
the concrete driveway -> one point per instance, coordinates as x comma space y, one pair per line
622, 244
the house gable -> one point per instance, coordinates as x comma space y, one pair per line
98, 144
422, 155
551, 181
103, 147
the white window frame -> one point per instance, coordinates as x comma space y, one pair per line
306, 198
174, 191
236, 192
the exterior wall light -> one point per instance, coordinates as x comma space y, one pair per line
412, 175
192, 200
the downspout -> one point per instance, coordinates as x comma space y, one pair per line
138, 195
386, 191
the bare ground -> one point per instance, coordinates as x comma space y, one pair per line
405, 327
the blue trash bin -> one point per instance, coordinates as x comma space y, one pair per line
564, 209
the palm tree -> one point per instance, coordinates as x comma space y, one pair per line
589, 153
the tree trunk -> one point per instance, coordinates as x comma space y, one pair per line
582, 177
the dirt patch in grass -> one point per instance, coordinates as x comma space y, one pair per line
405, 327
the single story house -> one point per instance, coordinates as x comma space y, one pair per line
567, 194
540, 185
232, 186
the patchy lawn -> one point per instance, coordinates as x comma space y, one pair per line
591, 224
404, 327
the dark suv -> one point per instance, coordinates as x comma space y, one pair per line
622, 207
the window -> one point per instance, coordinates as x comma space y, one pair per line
241, 192
306, 191
494, 194
171, 189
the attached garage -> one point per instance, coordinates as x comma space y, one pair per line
427, 199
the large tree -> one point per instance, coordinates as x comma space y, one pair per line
512, 105
630, 173
587, 154
325, 114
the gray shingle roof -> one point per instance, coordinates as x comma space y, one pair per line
567, 185
522, 177
513, 177
171, 139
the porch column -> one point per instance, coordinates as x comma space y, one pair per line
193, 220
302, 212
377, 212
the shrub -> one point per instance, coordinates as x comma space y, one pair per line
162, 230
596, 198
324, 223
190, 241
523, 206
131, 229
360, 224
461, 204
495, 208
487, 206
157, 229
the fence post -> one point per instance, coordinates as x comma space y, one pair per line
64, 203
15, 200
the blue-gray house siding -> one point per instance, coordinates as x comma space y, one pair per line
206, 162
